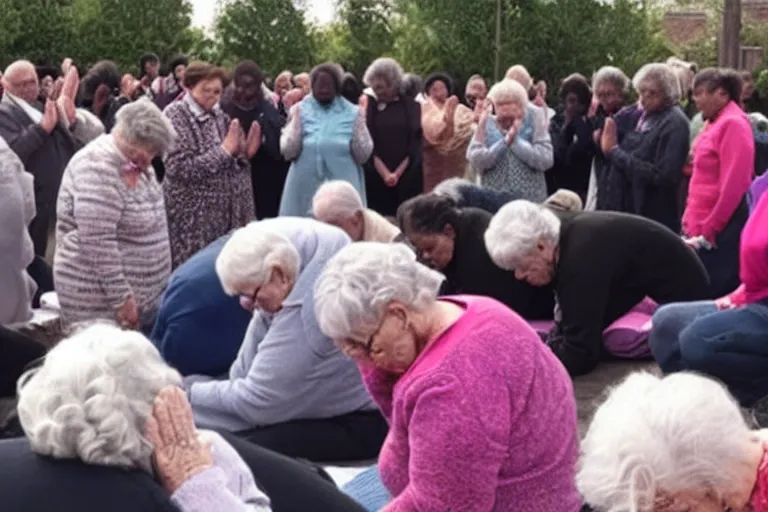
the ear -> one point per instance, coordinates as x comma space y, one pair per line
279, 275
398, 310
449, 231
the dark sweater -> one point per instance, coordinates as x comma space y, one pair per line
608, 263
472, 272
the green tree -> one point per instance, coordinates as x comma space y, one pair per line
271, 32
37, 30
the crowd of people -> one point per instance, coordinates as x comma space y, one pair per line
258, 276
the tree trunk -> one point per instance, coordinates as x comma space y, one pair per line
729, 51
497, 64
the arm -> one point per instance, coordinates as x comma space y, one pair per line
455, 458
361, 145
24, 140
736, 170
97, 208
273, 125
584, 144
380, 385
184, 162
670, 157
291, 139
538, 154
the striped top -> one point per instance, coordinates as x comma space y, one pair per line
111, 241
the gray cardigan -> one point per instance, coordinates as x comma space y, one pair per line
287, 369
17, 209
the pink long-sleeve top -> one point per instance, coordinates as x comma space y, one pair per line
723, 167
753, 258
484, 420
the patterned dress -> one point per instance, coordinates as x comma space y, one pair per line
111, 240
207, 192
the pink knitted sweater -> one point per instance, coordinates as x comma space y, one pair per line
484, 420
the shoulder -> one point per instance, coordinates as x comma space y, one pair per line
177, 109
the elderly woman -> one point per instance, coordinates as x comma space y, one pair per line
207, 184
394, 174
326, 139
673, 444
475, 92
724, 338
289, 389
463, 381
447, 127
602, 265
337, 203
251, 108
651, 157
512, 148
723, 158
572, 136
105, 400
112, 257
610, 86
450, 240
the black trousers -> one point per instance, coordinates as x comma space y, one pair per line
349, 438
290, 484
42, 274
16, 352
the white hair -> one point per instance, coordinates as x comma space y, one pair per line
251, 254
516, 229
508, 91
520, 74
335, 200
357, 284
451, 188
612, 75
657, 436
143, 124
386, 69
92, 396
664, 77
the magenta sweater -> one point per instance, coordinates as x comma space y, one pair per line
752, 257
723, 167
484, 420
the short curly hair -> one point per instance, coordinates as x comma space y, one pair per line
92, 396
576, 84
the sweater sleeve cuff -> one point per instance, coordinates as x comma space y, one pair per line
207, 492
739, 296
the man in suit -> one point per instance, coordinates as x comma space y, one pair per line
41, 135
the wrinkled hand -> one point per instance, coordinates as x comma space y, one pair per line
363, 103
50, 117
608, 140
253, 142
698, 242
724, 303
66, 66
178, 452
354, 350
512, 133
100, 99
392, 179
487, 110
451, 103
292, 97
233, 139
597, 135
127, 315
539, 101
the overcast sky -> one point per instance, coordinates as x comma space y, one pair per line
204, 11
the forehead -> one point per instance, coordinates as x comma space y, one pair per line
246, 80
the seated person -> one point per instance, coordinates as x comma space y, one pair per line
674, 444
290, 389
482, 415
106, 397
199, 328
724, 338
602, 265
338, 203
450, 240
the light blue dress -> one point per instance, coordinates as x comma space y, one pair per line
331, 143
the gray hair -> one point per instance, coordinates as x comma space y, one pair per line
654, 437
520, 74
516, 229
508, 91
361, 280
335, 200
143, 124
565, 200
92, 396
613, 75
663, 75
251, 254
387, 69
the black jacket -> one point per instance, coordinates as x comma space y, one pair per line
608, 263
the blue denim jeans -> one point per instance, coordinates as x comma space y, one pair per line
729, 345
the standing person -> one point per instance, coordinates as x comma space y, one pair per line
113, 257
44, 142
326, 139
207, 186
723, 159
149, 69
99, 89
475, 92
283, 84
170, 88
447, 128
250, 107
393, 175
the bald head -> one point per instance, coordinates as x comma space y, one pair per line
20, 79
